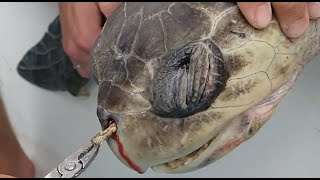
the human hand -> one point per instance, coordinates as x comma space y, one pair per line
6, 176
81, 24
292, 16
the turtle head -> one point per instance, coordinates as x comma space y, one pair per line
158, 79
182, 81
169, 118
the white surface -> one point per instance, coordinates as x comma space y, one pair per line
50, 125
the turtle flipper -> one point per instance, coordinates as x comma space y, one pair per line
48, 66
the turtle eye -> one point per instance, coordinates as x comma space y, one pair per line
188, 80
184, 62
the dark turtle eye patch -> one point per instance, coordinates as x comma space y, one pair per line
187, 80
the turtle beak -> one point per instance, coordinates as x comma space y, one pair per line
115, 143
103, 116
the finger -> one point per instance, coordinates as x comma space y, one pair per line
79, 57
80, 25
314, 10
88, 25
84, 70
81, 22
258, 14
75, 53
6, 176
108, 7
292, 16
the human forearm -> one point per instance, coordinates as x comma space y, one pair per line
13, 161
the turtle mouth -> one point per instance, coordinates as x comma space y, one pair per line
106, 119
179, 163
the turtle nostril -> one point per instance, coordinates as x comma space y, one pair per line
104, 117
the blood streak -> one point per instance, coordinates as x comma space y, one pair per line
123, 155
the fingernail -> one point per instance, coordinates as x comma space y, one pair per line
297, 28
263, 15
314, 9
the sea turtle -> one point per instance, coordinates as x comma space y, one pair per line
187, 82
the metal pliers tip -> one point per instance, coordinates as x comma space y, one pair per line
76, 163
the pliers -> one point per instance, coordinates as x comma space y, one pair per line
80, 160
76, 163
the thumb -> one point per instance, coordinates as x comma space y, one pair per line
108, 7
258, 14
